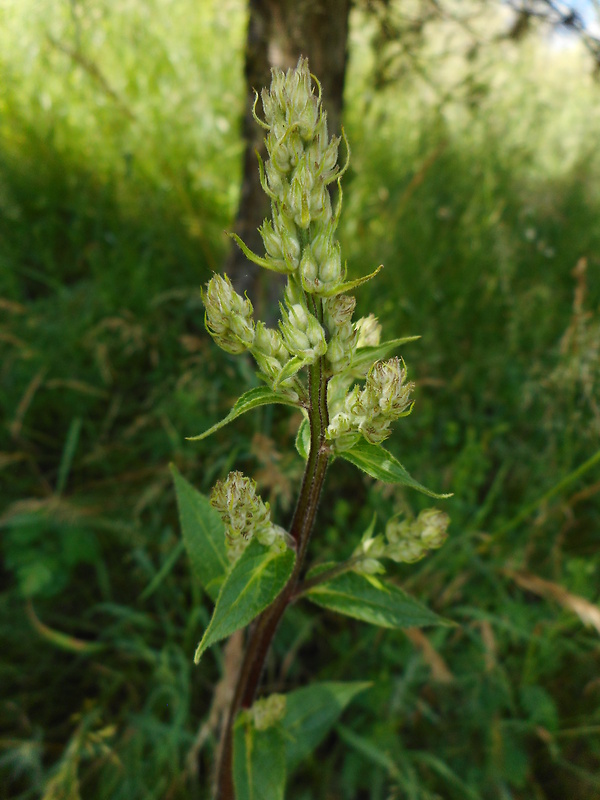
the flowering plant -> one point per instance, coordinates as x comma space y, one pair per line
315, 362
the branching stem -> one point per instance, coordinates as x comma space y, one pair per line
263, 630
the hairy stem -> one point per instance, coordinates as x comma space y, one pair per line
264, 628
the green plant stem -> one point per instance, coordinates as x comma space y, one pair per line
263, 630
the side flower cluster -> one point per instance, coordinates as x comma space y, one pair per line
244, 515
370, 410
405, 541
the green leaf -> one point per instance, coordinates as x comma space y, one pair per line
379, 463
262, 262
261, 396
370, 600
365, 356
310, 714
258, 762
348, 286
203, 535
303, 439
293, 366
253, 583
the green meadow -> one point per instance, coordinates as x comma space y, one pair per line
476, 182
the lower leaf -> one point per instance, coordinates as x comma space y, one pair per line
259, 771
253, 583
370, 600
380, 464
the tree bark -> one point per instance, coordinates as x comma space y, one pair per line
279, 32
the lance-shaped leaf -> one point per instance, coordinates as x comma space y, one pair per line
310, 714
348, 286
379, 463
258, 761
370, 600
203, 535
261, 396
365, 356
293, 366
267, 263
252, 584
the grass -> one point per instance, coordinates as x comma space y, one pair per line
120, 162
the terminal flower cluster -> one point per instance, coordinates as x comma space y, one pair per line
316, 315
244, 515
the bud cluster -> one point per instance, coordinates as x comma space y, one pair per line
244, 515
407, 541
299, 240
385, 397
411, 540
268, 711
228, 315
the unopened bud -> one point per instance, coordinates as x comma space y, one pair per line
433, 525
339, 310
243, 513
228, 315
369, 331
268, 711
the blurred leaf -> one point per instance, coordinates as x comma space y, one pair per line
203, 534
258, 762
377, 462
310, 714
260, 396
370, 600
68, 454
540, 707
253, 583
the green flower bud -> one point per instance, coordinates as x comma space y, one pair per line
302, 333
243, 513
408, 541
406, 552
269, 343
271, 240
309, 271
339, 310
276, 181
385, 382
322, 243
368, 552
369, 331
340, 424
228, 315
268, 711
330, 271
375, 430
319, 204
433, 526
338, 354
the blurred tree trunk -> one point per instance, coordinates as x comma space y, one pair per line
279, 31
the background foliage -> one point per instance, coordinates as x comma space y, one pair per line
475, 179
